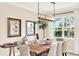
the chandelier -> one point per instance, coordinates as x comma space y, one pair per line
46, 18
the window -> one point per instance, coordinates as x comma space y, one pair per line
63, 27
57, 26
69, 26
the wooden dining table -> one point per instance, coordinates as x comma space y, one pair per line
35, 49
38, 49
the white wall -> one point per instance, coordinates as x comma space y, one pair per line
6, 11
76, 14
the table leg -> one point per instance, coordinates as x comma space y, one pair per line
13, 51
10, 51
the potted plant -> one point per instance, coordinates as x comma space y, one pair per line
43, 25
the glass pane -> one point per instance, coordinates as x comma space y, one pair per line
57, 22
57, 32
69, 32
69, 21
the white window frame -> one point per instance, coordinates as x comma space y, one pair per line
64, 27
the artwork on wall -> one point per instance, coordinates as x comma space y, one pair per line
14, 27
30, 28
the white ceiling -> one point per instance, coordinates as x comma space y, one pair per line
45, 7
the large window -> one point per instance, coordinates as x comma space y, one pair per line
63, 27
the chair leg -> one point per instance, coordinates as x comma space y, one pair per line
62, 54
65, 54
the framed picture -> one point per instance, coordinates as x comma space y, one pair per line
14, 27
30, 28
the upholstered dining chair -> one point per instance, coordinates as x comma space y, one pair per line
24, 50
53, 49
65, 46
59, 48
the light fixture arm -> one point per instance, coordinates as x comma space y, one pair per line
43, 18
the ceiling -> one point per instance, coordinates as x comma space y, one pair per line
46, 7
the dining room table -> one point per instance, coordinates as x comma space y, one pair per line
39, 49
35, 49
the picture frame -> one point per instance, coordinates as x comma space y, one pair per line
30, 28
14, 27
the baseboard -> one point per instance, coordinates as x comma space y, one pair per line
72, 53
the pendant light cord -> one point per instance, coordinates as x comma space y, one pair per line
38, 10
54, 9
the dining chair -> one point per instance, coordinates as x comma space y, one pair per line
65, 46
39, 41
24, 50
53, 49
59, 48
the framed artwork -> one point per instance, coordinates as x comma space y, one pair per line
14, 27
30, 28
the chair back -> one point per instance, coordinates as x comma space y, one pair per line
24, 50
59, 48
53, 49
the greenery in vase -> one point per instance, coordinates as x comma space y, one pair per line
43, 25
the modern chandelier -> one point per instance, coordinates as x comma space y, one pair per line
44, 18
